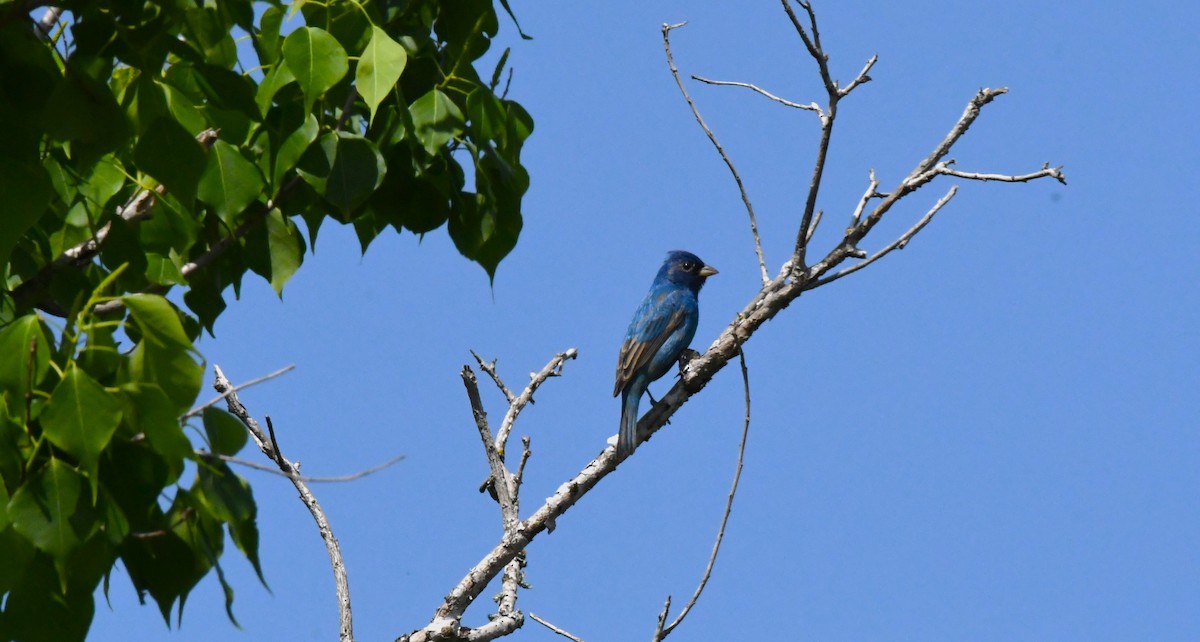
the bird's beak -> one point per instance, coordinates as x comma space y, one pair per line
708, 271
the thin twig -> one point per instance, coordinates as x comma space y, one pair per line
872, 192
813, 107
307, 478
813, 45
661, 632
557, 630
762, 263
925, 170
1046, 170
526, 452
898, 244
812, 229
515, 406
341, 581
861, 78
238, 388
490, 369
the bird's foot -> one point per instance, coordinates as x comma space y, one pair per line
685, 358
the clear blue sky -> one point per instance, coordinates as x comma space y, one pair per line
991, 435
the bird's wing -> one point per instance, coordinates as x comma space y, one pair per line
655, 323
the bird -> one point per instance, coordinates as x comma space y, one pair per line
661, 329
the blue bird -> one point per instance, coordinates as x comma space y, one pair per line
660, 331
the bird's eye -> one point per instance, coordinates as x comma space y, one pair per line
687, 266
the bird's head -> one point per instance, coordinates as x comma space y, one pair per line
685, 268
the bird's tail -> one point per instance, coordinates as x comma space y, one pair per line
627, 438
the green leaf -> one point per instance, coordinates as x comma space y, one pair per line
163, 566
379, 68
206, 29
4, 519
25, 190
42, 608
149, 411
293, 148
231, 500
16, 551
172, 156
226, 433
230, 182
286, 247
80, 417
227, 90
104, 181
437, 120
488, 117
184, 110
171, 369
19, 362
317, 61
163, 271
51, 512
82, 110
266, 40
275, 80
358, 169
158, 320
317, 161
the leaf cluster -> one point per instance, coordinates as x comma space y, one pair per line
145, 154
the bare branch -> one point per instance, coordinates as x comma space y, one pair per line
557, 630
1052, 172
813, 228
898, 244
526, 452
241, 386
490, 369
813, 107
861, 78
666, 34
307, 478
552, 369
342, 583
813, 44
661, 632
925, 171
501, 481
775, 295
872, 192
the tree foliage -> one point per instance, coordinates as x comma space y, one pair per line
142, 154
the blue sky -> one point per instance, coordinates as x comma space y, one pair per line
991, 435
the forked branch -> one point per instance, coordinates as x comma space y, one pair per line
269, 445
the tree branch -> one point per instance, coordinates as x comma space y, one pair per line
944, 169
270, 448
813, 107
557, 630
79, 255
660, 631
898, 244
793, 280
307, 478
666, 34
241, 386
515, 406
